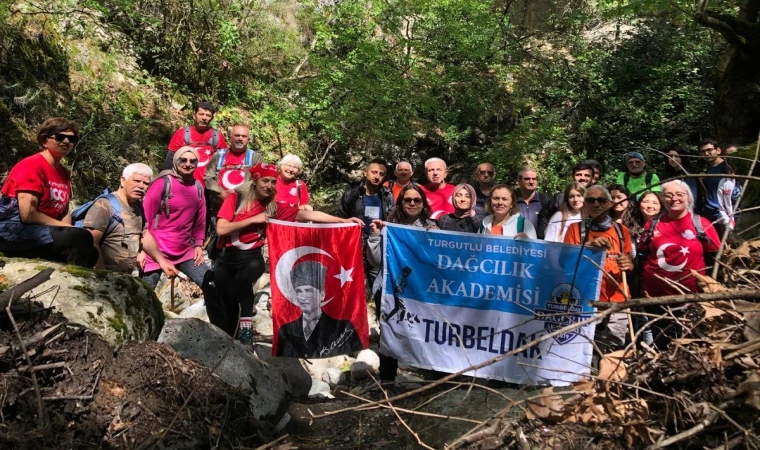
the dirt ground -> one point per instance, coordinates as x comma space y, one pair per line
97, 396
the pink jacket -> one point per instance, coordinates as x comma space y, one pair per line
183, 230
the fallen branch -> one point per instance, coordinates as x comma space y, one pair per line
40, 407
67, 397
698, 428
24, 287
42, 367
743, 294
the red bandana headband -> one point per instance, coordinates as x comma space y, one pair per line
261, 170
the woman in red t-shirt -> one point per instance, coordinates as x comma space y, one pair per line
241, 224
290, 189
34, 208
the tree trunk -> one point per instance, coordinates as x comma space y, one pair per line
736, 110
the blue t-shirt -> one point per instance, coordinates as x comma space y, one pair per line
712, 207
373, 209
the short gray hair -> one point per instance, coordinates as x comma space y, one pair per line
404, 162
685, 187
435, 160
137, 168
290, 158
523, 170
601, 188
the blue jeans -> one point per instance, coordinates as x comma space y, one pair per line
195, 273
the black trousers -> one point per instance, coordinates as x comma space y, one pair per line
71, 245
235, 274
388, 364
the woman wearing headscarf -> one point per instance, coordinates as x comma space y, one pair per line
34, 206
242, 224
463, 218
175, 212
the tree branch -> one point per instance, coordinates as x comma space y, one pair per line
708, 19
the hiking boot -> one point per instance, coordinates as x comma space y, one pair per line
245, 336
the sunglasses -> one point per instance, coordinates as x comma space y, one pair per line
600, 200
193, 162
486, 172
412, 201
60, 137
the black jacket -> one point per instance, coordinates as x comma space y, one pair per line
547, 210
352, 202
331, 337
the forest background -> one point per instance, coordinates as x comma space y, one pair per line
339, 82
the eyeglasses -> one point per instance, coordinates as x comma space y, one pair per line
600, 200
192, 162
412, 200
678, 195
60, 137
486, 172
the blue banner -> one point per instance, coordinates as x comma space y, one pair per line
451, 300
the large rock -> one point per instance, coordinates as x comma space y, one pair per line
116, 306
299, 378
266, 385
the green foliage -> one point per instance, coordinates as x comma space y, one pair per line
650, 91
536, 83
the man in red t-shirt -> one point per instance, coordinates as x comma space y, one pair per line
200, 136
437, 191
222, 181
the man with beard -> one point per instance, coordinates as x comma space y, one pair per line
226, 170
368, 201
437, 191
200, 136
635, 177
116, 220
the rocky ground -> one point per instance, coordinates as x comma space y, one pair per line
101, 379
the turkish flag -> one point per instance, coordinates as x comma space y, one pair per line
319, 307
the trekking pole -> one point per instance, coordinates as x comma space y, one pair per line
171, 292
627, 293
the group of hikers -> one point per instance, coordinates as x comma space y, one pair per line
654, 233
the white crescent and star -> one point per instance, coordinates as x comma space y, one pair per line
226, 179
662, 262
289, 259
202, 162
235, 238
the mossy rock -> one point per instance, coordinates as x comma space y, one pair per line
116, 306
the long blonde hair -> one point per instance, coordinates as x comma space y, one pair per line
248, 192
565, 207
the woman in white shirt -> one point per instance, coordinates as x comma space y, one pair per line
505, 220
570, 212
